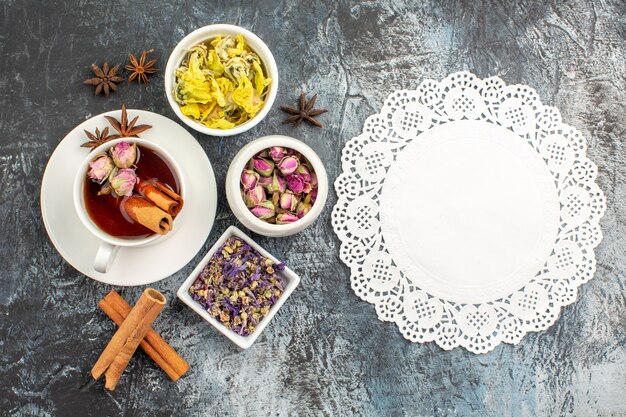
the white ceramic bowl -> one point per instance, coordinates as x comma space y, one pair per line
291, 282
209, 32
233, 186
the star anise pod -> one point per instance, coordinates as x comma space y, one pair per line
125, 129
305, 112
105, 78
98, 138
140, 68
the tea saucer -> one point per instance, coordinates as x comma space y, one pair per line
138, 265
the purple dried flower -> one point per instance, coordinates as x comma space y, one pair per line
238, 286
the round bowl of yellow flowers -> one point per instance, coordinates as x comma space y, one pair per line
221, 80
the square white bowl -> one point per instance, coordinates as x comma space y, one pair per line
291, 282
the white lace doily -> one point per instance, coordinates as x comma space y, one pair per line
468, 212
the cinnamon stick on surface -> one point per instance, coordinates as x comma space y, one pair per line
153, 344
120, 349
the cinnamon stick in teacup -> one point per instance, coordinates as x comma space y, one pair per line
158, 349
161, 195
120, 349
147, 214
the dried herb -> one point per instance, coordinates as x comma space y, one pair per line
304, 112
105, 79
279, 185
98, 138
221, 83
140, 68
125, 129
238, 286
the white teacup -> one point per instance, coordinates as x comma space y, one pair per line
110, 244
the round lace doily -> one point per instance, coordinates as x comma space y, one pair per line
468, 212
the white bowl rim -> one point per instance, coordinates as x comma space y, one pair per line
202, 34
265, 142
244, 342
79, 180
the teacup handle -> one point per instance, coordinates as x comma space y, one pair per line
104, 257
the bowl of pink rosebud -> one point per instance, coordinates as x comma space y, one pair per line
276, 186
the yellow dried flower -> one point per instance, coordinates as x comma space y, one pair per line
221, 83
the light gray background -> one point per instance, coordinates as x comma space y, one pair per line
325, 353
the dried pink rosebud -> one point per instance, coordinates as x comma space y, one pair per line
303, 170
264, 210
123, 181
288, 165
249, 179
277, 153
265, 181
263, 154
288, 201
296, 183
124, 154
255, 195
263, 166
278, 184
313, 195
100, 168
302, 209
286, 218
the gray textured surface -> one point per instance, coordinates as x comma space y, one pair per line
325, 353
